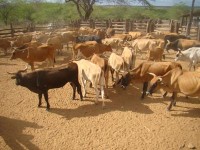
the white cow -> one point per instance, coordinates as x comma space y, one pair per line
192, 55
89, 71
143, 45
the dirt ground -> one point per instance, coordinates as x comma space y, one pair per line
127, 122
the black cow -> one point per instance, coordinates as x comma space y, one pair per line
173, 37
81, 39
41, 81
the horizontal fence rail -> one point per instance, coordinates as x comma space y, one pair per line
120, 26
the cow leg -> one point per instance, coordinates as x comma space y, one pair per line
190, 66
165, 94
84, 87
174, 96
117, 79
145, 86
47, 100
51, 62
79, 90
74, 90
40, 99
97, 94
102, 96
112, 73
173, 102
32, 66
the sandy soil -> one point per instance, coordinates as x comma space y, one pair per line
126, 123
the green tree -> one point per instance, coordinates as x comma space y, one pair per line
6, 8
85, 7
177, 10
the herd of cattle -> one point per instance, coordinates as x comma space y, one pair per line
97, 53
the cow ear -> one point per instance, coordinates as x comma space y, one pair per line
13, 77
175, 74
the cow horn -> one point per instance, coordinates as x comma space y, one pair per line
168, 41
14, 73
153, 74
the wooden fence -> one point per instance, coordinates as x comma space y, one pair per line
120, 26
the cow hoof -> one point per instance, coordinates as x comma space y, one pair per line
168, 109
106, 97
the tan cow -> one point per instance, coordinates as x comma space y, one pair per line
89, 48
155, 54
56, 42
39, 54
141, 73
21, 40
129, 58
68, 36
91, 72
177, 81
143, 45
117, 65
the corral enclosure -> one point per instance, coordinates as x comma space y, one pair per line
120, 26
127, 122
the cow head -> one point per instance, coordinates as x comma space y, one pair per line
179, 56
17, 54
18, 75
168, 46
154, 84
125, 80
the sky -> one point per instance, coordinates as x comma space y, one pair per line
153, 2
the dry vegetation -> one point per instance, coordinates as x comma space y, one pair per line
126, 123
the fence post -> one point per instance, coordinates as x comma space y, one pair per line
172, 26
127, 25
198, 33
107, 24
110, 23
176, 26
12, 31
150, 26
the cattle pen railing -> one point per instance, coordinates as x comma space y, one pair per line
120, 26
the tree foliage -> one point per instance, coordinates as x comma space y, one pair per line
85, 7
41, 12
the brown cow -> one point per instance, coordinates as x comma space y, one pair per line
155, 54
21, 40
103, 63
39, 54
89, 48
141, 73
177, 81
